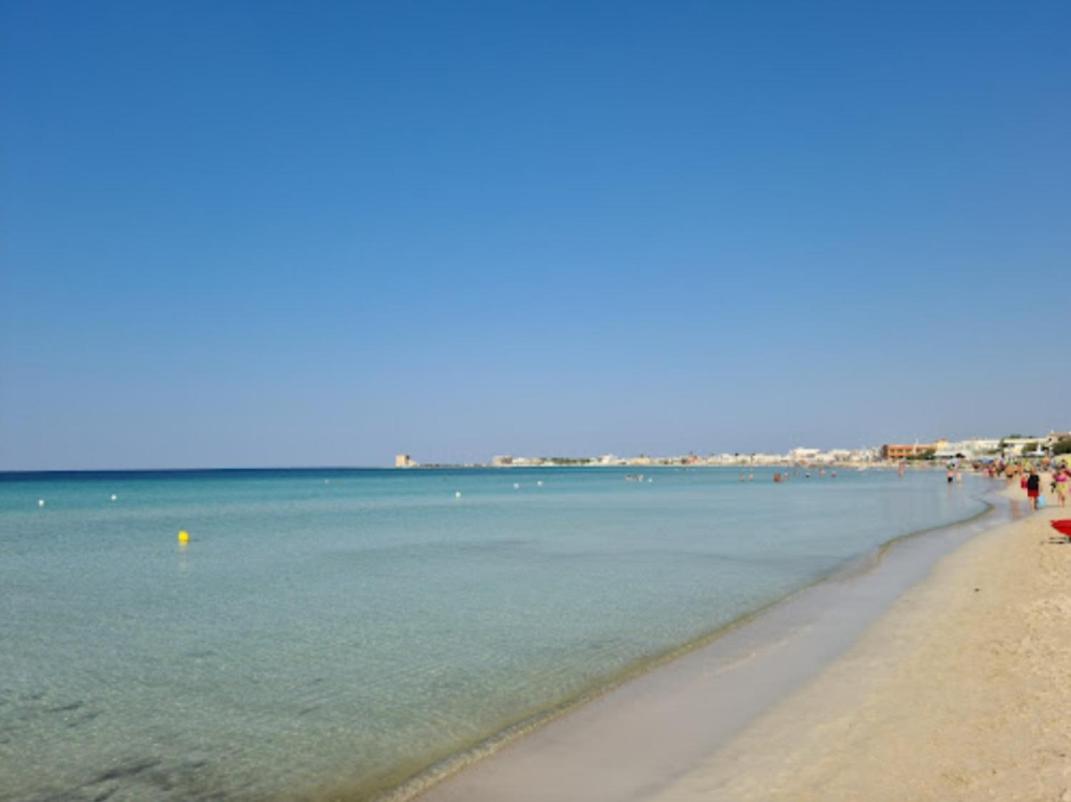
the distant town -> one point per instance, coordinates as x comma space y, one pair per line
979, 449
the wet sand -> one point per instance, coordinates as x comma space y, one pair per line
722, 722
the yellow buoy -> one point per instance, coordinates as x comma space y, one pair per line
183, 536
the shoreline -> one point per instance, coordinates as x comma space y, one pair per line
514, 763
959, 693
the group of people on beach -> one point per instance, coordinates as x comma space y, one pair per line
1059, 482
1029, 474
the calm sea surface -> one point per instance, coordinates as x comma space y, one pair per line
331, 632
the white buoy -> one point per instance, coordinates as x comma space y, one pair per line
516, 486
115, 497
40, 502
540, 483
457, 494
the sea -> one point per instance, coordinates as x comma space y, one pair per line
330, 634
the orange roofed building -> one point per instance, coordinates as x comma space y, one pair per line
893, 451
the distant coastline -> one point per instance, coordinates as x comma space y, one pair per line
978, 449
889, 455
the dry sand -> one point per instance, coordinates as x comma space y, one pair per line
962, 691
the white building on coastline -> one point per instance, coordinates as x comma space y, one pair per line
804, 454
972, 448
797, 456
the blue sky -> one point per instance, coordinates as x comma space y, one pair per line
322, 233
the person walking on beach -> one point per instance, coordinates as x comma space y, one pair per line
1062, 480
1033, 487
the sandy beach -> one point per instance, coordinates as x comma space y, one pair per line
960, 692
932, 677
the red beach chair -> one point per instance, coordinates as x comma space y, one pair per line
1062, 526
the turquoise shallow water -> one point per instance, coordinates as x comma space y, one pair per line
330, 632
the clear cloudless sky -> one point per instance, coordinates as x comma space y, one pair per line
268, 233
